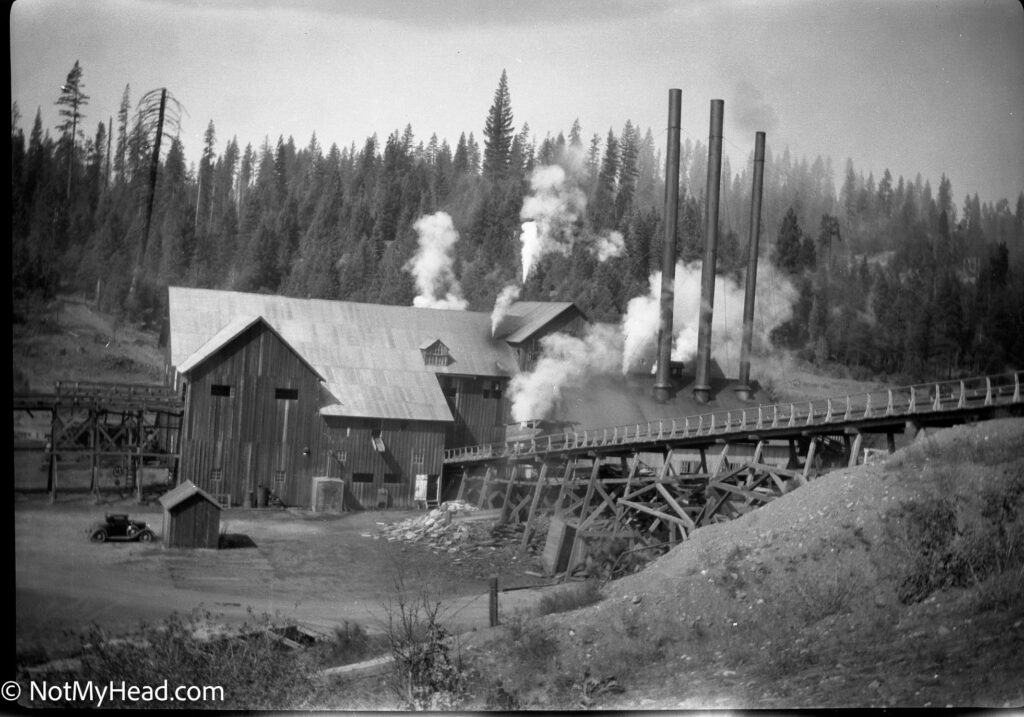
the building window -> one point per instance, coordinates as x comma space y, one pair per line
436, 354
286, 394
392, 477
362, 477
219, 389
492, 389
279, 478
215, 477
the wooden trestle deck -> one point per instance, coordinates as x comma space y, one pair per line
706, 468
129, 425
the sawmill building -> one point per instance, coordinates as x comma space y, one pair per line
281, 390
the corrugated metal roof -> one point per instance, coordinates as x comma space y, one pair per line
525, 318
369, 355
226, 335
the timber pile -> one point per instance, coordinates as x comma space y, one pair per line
438, 527
457, 526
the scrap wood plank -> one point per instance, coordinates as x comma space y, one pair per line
651, 511
711, 506
675, 506
483, 488
533, 510
787, 472
749, 494
630, 475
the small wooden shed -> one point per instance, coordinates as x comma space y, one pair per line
191, 517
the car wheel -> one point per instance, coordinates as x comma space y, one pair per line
98, 536
146, 536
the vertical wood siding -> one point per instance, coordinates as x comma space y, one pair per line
251, 436
478, 419
410, 447
193, 523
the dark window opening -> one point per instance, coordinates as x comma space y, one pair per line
286, 394
279, 478
362, 477
215, 476
219, 389
392, 477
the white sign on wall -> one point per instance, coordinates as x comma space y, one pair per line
421, 486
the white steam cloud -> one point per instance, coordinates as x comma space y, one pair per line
505, 298
431, 265
565, 362
549, 214
772, 305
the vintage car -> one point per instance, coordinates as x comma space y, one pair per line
119, 526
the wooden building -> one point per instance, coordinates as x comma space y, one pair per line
527, 322
191, 517
280, 390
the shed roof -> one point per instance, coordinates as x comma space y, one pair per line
184, 491
525, 318
368, 355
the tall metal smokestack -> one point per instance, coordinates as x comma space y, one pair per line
743, 390
663, 382
702, 384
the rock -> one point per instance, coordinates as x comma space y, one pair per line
637, 599
875, 684
943, 630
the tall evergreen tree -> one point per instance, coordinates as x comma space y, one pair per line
71, 101
498, 133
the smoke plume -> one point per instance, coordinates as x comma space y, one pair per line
772, 306
431, 265
565, 362
549, 213
505, 298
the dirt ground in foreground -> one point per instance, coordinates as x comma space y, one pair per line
315, 569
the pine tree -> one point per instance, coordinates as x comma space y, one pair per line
71, 101
787, 252
498, 133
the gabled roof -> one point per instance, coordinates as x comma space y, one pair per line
183, 492
525, 318
368, 355
231, 331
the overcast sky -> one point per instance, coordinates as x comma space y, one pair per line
908, 85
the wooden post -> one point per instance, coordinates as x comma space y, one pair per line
494, 602
94, 439
570, 475
484, 486
619, 509
137, 467
855, 449
462, 484
890, 442
811, 450
506, 505
538, 489
590, 487
52, 477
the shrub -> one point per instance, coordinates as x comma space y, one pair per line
250, 663
579, 595
428, 671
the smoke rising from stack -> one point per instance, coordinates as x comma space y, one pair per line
605, 350
431, 265
565, 362
552, 215
774, 302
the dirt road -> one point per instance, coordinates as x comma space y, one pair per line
314, 569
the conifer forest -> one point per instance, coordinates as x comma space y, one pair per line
895, 276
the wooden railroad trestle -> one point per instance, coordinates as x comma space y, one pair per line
128, 425
606, 490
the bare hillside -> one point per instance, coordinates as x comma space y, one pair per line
66, 339
894, 584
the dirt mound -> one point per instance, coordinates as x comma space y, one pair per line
900, 583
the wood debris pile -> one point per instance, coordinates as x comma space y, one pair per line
439, 527
457, 526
